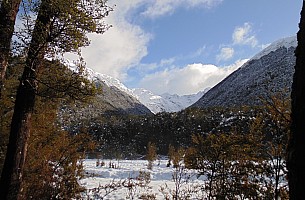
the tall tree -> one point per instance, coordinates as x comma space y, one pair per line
60, 27
8, 13
296, 146
48, 171
12, 172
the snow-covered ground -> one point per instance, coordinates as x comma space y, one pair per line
130, 179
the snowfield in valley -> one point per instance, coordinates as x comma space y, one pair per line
132, 174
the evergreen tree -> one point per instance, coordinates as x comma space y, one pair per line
53, 165
60, 27
50, 147
151, 154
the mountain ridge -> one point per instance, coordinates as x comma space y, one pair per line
155, 103
279, 53
270, 71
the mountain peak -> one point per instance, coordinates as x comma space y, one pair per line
155, 103
267, 73
283, 42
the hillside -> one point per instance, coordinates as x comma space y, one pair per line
268, 72
166, 102
155, 103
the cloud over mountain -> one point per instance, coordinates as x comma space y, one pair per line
121, 47
150, 39
243, 35
126, 43
226, 53
189, 79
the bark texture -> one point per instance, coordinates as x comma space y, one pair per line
8, 13
296, 146
12, 173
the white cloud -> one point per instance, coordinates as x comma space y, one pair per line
125, 44
166, 62
243, 35
226, 53
119, 48
147, 68
190, 79
199, 52
158, 8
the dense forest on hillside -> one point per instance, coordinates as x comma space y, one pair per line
128, 136
246, 143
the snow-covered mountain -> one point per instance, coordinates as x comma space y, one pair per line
155, 103
114, 99
284, 42
268, 72
166, 102
271, 68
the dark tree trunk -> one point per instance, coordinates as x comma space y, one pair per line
8, 13
11, 178
296, 146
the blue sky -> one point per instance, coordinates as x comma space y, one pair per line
184, 46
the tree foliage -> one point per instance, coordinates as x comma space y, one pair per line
151, 154
54, 162
131, 134
228, 162
57, 23
249, 165
53, 166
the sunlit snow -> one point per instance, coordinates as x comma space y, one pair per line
161, 176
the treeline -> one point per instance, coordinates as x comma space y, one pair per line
128, 136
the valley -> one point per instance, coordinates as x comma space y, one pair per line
152, 100
231, 104
228, 113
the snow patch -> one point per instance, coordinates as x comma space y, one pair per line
160, 176
155, 103
166, 102
284, 42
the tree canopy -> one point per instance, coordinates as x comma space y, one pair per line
60, 27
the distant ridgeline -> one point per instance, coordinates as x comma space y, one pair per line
267, 73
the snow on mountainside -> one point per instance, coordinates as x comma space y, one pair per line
284, 42
155, 103
173, 103
166, 102
108, 80
115, 97
270, 71
238, 88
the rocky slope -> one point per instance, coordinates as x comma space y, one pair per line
155, 103
269, 71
